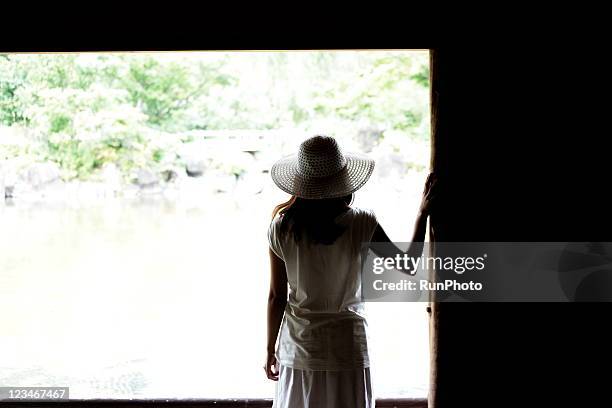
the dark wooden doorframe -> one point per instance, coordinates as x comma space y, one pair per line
195, 403
435, 163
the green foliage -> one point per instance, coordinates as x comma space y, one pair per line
387, 93
164, 90
422, 77
11, 79
85, 110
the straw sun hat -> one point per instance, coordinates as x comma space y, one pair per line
321, 170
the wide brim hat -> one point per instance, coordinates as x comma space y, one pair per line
321, 170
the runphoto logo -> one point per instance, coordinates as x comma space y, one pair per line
410, 265
486, 271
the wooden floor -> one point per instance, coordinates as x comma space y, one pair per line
233, 403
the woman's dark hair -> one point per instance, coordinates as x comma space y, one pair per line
313, 218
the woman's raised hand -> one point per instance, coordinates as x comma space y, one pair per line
429, 194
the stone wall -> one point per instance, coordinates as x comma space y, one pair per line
214, 162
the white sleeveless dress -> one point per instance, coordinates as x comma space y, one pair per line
322, 347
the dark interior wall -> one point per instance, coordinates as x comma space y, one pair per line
520, 155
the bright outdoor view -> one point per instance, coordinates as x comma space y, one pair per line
135, 200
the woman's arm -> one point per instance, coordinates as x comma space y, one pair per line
418, 236
277, 300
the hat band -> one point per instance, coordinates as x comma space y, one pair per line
340, 170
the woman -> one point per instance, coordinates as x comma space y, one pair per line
315, 238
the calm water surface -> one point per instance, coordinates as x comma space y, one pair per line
154, 298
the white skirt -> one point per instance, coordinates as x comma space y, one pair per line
323, 389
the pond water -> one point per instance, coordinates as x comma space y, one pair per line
158, 298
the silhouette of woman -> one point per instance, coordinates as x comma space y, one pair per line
314, 303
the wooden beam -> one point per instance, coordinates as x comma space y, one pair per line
193, 403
